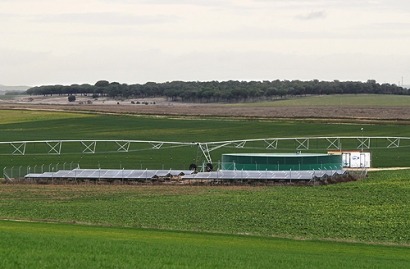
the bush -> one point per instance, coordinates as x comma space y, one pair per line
71, 98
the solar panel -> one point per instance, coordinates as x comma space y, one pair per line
109, 174
185, 174
246, 174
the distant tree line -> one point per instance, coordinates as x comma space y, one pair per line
225, 91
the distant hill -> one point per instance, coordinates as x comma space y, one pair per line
4, 89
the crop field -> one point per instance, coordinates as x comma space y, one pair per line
40, 245
331, 220
362, 224
334, 108
34, 125
373, 210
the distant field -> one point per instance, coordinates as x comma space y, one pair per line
336, 108
23, 116
347, 100
19, 125
6, 97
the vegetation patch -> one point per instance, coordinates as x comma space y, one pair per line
374, 210
37, 125
47, 245
192, 226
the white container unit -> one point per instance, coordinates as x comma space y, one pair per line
354, 159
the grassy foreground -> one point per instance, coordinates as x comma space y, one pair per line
46, 245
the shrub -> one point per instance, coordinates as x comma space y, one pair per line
71, 98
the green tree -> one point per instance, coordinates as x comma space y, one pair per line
102, 83
71, 98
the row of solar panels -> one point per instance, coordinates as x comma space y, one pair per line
109, 174
184, 174
275, 175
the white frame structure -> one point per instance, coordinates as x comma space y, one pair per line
56, 147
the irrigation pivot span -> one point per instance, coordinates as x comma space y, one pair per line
57, 147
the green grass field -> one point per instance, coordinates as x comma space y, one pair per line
372, 210
46, 245
35, 125
346, 100
361, 224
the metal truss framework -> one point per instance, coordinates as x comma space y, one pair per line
56, 147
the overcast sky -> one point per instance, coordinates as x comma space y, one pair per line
136, 41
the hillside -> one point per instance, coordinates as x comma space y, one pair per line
4, 88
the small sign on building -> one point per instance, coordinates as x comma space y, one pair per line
354, 158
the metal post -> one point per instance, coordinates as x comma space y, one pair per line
362, 139
290, 175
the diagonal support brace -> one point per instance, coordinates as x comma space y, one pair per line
302, 143
205, 152
364, 142
123, 146
157, 146
271, 144
55, 147
394, 143
90, 147
334, 144
19, 148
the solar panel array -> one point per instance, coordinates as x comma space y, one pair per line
109, 174
185, 174
255, 175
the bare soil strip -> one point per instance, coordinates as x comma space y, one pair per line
399, 114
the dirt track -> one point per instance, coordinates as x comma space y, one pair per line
401, 114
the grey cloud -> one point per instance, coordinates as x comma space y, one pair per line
312, 15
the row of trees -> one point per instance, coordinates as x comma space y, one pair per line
225, 91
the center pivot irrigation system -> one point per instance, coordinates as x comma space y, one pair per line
298, 144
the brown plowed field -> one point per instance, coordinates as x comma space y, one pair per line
401, 114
